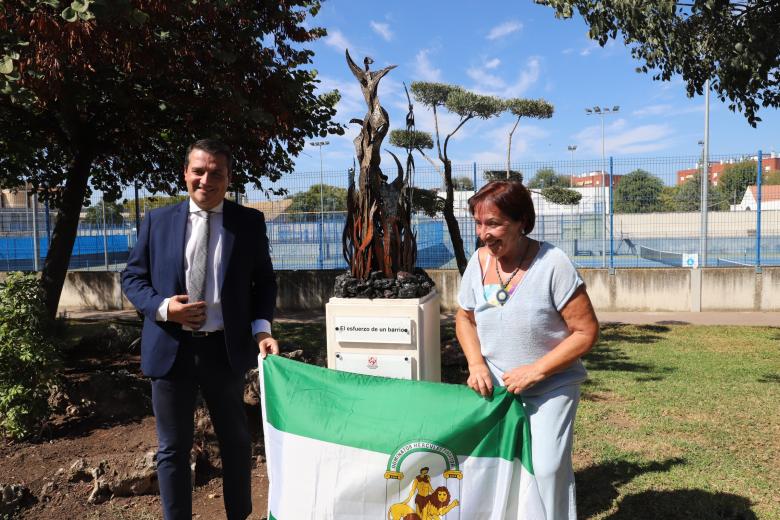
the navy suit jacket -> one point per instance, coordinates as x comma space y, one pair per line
155, 271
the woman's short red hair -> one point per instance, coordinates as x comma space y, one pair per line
511, 198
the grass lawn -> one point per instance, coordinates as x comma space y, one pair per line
680, 422
675, 422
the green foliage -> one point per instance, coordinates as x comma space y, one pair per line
531, 108
667, 199
500, 175
432, 94
427, 201
146, 117
28, 357
94, 214
736, 178
561, 195
688, 196
638, 192
333, 199
415, 139
547, 178
469, 104
733, 43
463, 183
771, 177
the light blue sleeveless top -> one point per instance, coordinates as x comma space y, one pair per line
529, 324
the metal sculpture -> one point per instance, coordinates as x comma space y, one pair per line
378, 234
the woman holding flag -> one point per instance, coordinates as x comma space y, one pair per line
524, 323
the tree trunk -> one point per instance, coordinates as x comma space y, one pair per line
65, 228
452, 223
509, 150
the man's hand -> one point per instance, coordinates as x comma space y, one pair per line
266, 344
193, 315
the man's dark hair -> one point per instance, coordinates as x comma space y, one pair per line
212, 146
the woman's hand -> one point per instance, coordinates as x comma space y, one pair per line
479, 379
522, 377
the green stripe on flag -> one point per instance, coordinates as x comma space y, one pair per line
376, 413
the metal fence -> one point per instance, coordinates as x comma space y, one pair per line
624, 218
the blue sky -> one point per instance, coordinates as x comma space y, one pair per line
516, 49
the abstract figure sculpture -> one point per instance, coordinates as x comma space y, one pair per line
377, 236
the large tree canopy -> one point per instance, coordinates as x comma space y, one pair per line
733, 43
638, 192
547, 178
332, 198
115, 91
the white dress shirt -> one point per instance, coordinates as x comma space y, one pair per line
196, 220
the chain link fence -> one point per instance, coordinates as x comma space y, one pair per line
633, 212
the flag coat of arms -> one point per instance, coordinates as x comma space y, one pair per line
345, 446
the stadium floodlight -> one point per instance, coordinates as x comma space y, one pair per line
319, 145
602, 111
571, 148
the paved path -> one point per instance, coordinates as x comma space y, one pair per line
771, 319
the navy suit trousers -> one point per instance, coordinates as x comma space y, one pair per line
201, 365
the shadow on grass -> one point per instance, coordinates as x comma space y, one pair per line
309, 337
769, 378
640, 334
683, 504
597, 486
598, 489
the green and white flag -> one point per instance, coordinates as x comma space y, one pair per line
344, 446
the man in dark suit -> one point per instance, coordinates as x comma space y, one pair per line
201, 274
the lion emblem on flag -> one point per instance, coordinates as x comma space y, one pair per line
424, 500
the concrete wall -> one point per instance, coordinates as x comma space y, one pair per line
653, 290
687, 225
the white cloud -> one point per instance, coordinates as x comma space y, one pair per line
504, 29
492, 64
337, 40
485, 81
383, 30
424, 69
653, 110
621, 140
493, 85
592, 46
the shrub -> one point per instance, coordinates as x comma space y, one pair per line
28, 358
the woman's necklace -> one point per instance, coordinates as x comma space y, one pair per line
502, 295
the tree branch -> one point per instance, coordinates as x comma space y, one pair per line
447, 140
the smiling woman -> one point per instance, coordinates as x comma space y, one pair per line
525, 320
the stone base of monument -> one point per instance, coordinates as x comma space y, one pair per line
385, 337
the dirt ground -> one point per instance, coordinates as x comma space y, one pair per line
104, 415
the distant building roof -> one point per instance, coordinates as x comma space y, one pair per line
769, 192
270, 208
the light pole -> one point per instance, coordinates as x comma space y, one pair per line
320, 144
601, 112
705, 178
571, 148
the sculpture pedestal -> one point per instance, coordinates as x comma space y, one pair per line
385, 337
